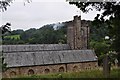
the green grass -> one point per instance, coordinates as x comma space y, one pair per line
71, 75
15, 37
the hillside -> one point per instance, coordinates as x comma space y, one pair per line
48, 34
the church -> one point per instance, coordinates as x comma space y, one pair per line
36, 59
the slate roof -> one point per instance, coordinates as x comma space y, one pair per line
34, 47
17, 58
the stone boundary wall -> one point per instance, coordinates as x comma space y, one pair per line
37, 70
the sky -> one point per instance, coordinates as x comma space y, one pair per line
41, 12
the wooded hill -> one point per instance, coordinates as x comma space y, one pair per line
49, 34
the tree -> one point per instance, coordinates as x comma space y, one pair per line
5, 3
5, 28
111, 9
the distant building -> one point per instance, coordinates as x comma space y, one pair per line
52, 58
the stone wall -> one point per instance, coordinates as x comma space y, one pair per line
37, 70
77, 30
82, 66
70, 34
84, 37
78, 33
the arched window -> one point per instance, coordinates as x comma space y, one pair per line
61, 69
47, 70
13, 73
75, 68
30, 72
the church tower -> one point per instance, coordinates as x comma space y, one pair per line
77, 33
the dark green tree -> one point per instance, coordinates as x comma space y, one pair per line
3, 29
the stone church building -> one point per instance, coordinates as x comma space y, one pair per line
36, 59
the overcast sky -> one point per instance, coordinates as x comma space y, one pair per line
41, 12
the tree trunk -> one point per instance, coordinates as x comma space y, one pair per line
106, 66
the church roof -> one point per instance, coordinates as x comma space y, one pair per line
34, 47
46, 57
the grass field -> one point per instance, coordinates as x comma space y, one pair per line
72, 75
15, 37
